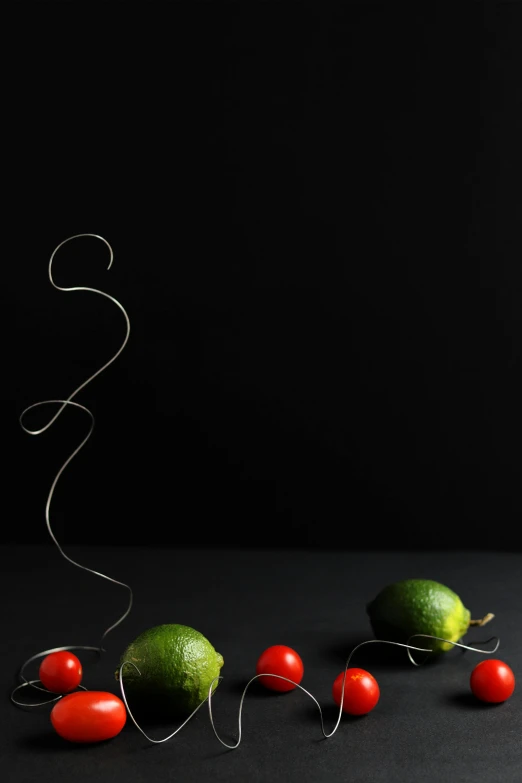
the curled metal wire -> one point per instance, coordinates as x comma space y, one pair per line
33, 684
326, 735
36, 683
64, 404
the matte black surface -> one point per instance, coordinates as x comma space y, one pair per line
426, 727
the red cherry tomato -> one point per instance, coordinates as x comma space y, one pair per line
361, 691
492, 681
60, 672
283, 661
89, 716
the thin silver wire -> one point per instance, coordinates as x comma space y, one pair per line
326, 735
33, 684
64, 403
43, 654
455, 644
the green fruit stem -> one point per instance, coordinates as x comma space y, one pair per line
483, 621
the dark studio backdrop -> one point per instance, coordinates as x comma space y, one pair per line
315, 216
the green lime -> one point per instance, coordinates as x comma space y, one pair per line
424, 606
175, 667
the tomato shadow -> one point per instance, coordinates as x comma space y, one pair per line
330, 715
48, 741
256, 690
469, 701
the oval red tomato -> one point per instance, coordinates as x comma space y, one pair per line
60, 672
89, 716
361, 691
492, 681
283, 661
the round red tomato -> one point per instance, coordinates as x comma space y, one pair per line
282, 660
60, 672
89, 716
492, 681
361, 691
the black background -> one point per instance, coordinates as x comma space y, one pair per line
315, 216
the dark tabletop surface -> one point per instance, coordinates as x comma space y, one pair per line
426, 727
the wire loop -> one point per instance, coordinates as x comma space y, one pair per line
63, 405
326, 735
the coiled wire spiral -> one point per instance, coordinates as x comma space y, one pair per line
63, 405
